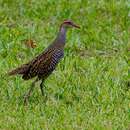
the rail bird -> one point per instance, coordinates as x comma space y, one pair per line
45, 63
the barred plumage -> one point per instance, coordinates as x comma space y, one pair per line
44, 64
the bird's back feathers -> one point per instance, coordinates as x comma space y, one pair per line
43, 65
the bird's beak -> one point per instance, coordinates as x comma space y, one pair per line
76, 26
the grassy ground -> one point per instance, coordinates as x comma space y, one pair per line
88, 90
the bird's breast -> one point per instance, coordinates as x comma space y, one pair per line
56, 57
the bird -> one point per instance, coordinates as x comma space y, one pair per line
45, 63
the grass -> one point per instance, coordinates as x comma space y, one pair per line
89, 89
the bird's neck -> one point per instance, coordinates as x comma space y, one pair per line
61, 37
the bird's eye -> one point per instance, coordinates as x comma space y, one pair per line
69, 22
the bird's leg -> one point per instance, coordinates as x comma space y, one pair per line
29, 92
41, 87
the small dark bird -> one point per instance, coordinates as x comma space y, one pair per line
44, 64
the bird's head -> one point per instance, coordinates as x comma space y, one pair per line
69, 24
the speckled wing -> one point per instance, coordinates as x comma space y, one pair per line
32, 67
44, 64
52, 59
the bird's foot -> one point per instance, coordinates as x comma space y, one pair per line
26, 97
45, 97
44, 94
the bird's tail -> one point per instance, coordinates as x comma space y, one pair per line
20, 70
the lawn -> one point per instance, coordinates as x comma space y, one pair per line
89, 90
